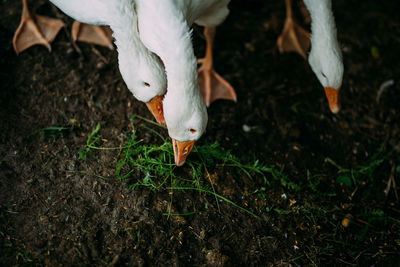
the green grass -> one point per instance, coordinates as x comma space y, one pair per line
352, 177
156, 161
155, 164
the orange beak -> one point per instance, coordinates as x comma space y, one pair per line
181, 150
155, 105
333, 98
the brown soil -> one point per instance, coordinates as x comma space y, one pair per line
54, 210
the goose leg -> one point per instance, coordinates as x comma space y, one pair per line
35, 29
212, 85
293, 37
98, 35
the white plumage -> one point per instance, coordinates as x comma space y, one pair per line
325, 56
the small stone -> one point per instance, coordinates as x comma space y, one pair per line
347, 220
100, 65
246, 128
70, 51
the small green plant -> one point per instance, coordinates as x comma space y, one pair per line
51, 131
351, 177
152, 161
92, 144
93, 138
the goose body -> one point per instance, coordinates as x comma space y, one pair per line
141, 70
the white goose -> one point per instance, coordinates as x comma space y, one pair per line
164, 28
141, 70
325, 57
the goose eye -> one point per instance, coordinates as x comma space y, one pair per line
192, 131
323, 75
146, 84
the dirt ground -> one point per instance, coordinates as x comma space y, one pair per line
55, 210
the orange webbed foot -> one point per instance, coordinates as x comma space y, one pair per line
98, 35
293, 37
212, 85
35, 29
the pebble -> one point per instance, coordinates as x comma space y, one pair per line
246, 128
100, 65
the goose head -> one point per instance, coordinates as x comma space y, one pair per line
326, 62
186, 120
145, 77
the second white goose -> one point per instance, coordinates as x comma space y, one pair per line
164, 28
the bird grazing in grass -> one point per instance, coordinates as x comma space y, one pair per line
164, 28
325, 57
